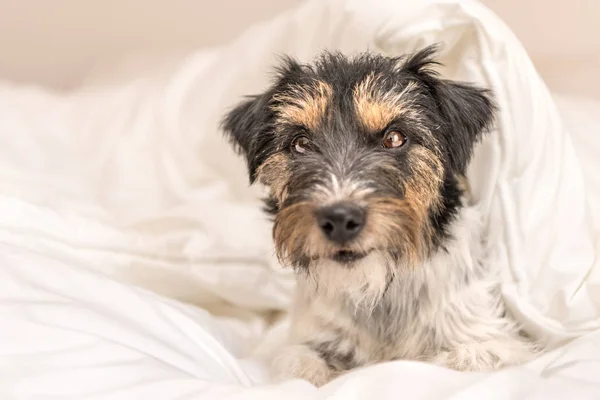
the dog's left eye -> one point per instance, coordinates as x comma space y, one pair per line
394, 139
300, 144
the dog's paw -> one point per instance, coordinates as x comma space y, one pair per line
486, 356
300, 362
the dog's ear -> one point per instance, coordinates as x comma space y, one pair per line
466, 111
249, 125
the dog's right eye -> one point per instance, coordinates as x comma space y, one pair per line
300, 144
394, 139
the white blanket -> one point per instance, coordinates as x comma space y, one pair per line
121, 199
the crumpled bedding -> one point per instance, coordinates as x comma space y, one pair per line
136, 262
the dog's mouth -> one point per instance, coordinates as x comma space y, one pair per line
347, 256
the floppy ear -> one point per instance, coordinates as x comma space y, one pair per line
466, 111
249, 125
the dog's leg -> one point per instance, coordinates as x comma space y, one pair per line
301, 362
488, 355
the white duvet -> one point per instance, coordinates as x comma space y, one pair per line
135, 262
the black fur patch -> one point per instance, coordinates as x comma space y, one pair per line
336, 360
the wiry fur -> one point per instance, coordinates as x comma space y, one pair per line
447, 311
412, 284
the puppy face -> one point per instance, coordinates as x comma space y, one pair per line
363, 157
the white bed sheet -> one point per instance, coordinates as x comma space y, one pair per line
126, 183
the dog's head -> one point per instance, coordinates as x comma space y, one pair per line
362, 155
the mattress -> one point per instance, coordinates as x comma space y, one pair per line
136, 263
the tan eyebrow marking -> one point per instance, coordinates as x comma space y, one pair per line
376, 108
302, 105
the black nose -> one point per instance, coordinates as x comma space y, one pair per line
341, 222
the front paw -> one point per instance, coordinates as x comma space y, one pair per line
300, 362
486, 356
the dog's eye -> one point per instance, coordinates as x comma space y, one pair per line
300, 144
394, 139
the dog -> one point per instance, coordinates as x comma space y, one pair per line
364, 158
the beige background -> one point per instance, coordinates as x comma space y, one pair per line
54, 42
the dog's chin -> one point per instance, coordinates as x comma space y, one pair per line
347, 257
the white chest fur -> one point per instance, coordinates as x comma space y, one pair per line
448, 311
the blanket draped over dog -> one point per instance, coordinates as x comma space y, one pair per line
127, 182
